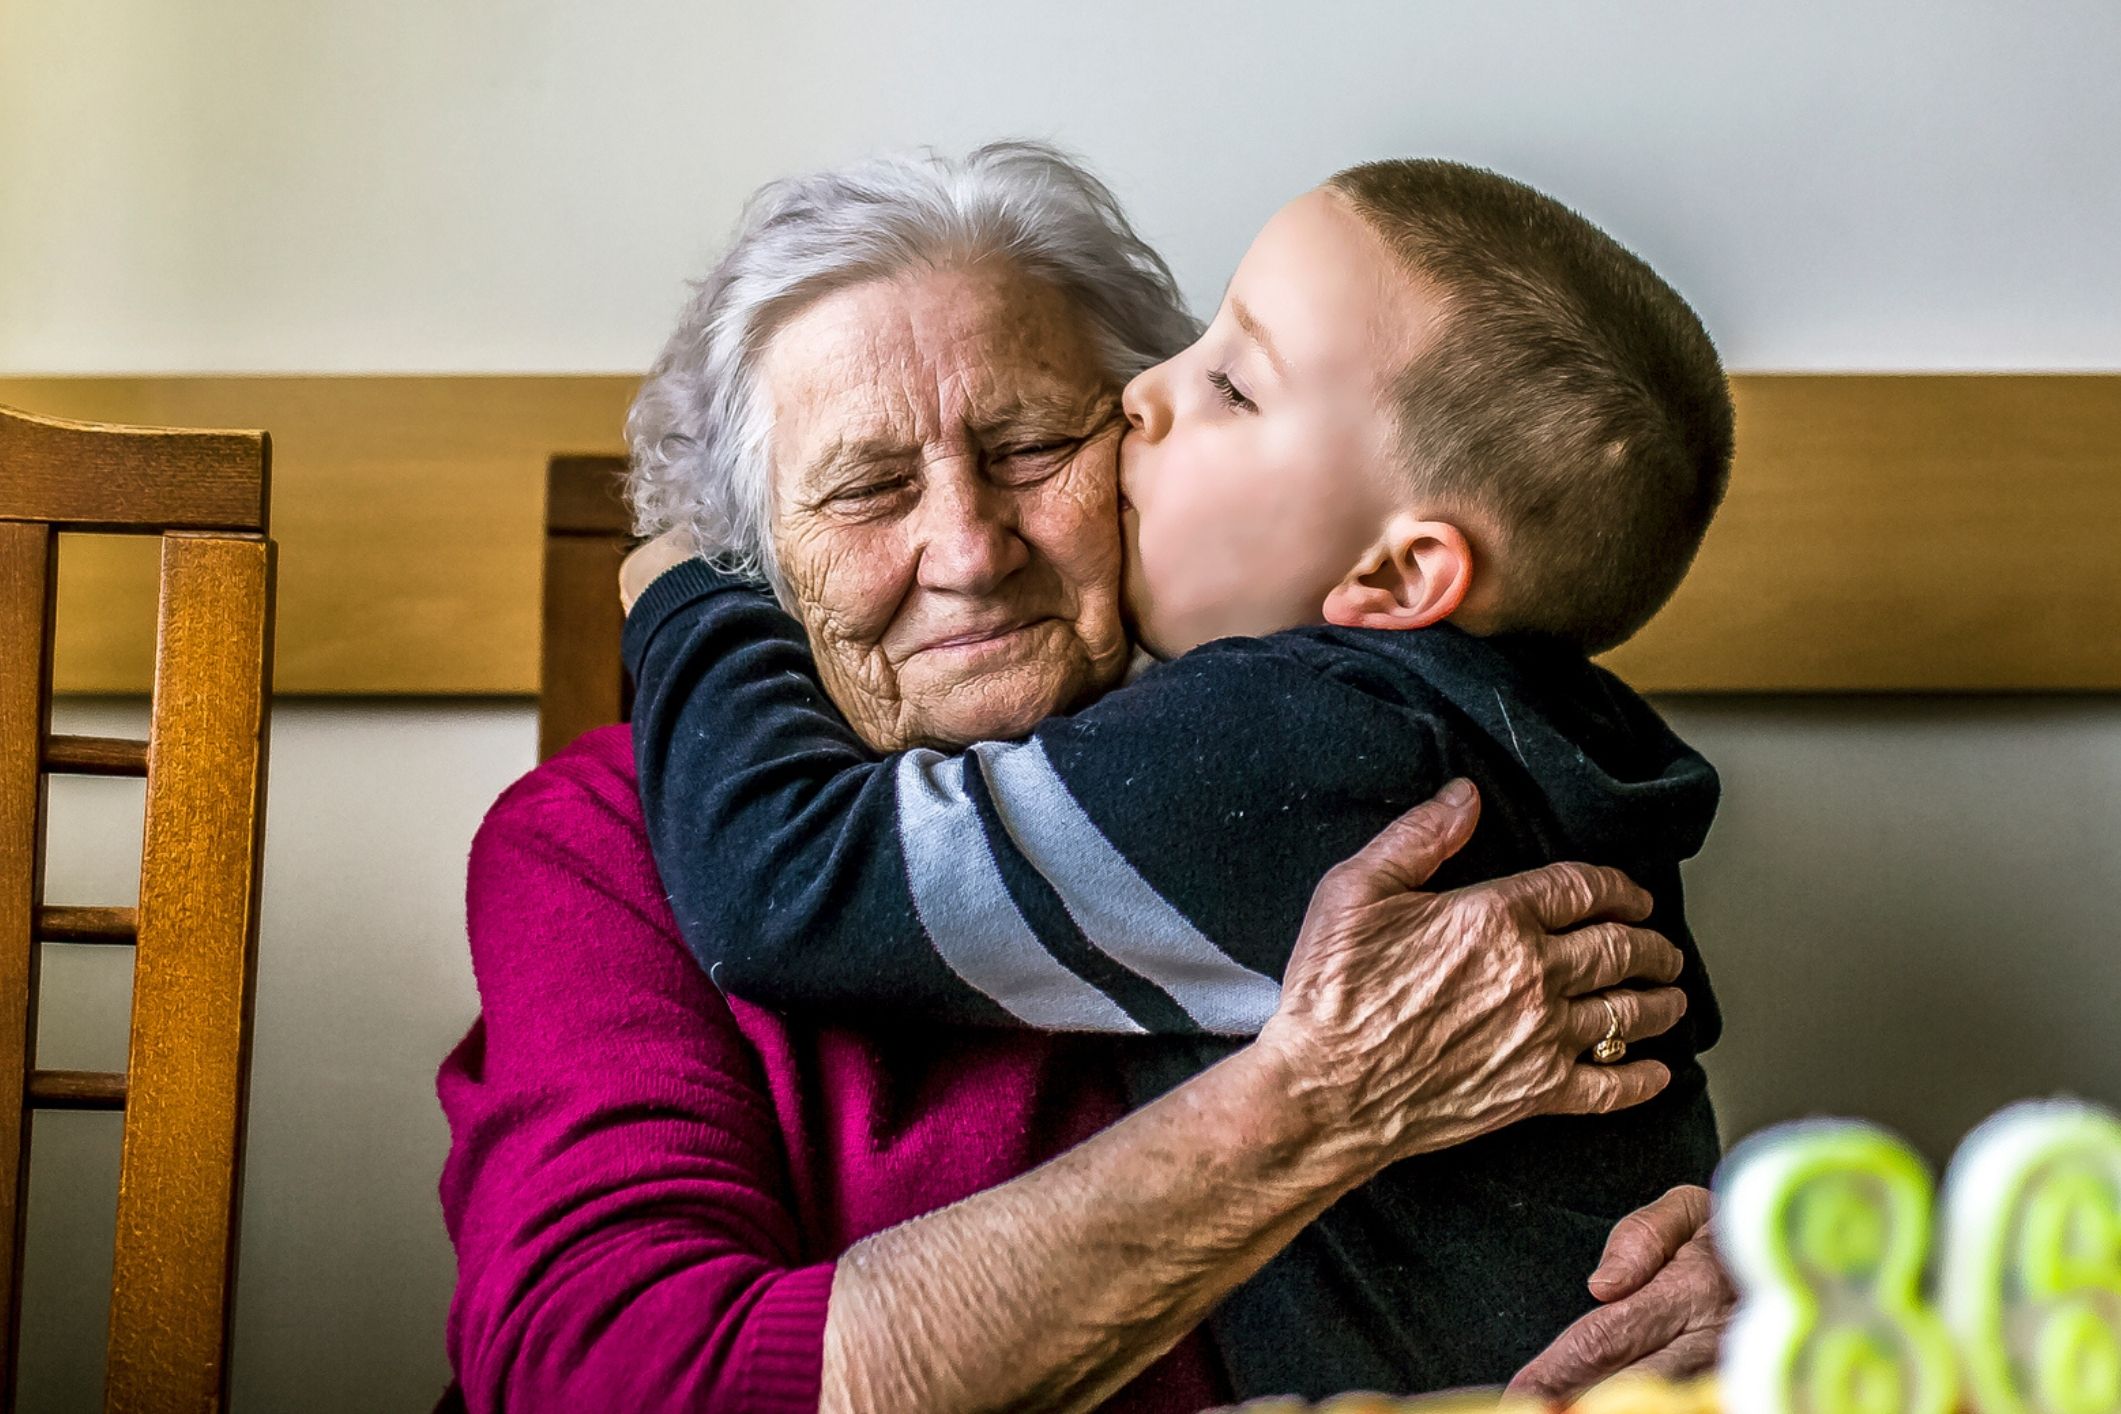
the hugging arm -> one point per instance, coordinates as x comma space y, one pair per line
617, 1191
1413, 1022
1058, 883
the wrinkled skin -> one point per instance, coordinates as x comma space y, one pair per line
1666, 1300
945, 509
1435, 1042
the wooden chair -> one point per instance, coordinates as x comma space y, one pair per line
195, 930
588, 531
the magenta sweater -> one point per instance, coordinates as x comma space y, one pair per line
648, 1183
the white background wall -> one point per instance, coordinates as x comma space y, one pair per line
1905, 902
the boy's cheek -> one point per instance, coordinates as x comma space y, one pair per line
1165, 594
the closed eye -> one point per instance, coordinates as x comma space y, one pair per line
1037, 449
1030, 463
867, 492
1229, 392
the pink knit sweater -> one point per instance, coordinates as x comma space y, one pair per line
648, 1183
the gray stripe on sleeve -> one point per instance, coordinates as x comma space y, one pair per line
964, 904
1116, 908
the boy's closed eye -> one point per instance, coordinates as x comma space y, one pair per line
1226, 388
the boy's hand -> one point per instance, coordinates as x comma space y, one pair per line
649, 560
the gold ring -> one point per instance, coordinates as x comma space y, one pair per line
1610, 1047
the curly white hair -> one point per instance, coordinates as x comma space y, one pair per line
700, 427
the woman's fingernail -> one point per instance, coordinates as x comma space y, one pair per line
1456, 792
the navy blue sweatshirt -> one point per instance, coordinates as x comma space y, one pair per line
1141, 867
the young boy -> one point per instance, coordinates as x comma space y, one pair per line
1432, 400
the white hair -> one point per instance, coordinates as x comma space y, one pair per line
700, 426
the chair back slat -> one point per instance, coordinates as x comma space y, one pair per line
28, 585
180, 1177
584, 495
195, 928
582, 682
89, 476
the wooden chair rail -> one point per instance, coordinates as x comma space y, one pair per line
76, 1090
96, 756
59, 923
96, 476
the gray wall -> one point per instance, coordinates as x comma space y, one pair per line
1905, 902
1906, 906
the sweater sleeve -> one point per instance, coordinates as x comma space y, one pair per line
1140, 866
615, 1188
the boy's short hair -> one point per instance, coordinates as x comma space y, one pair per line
1570, 394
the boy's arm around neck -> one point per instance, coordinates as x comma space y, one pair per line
1058, 883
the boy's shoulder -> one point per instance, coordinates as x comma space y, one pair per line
1279, 709
1445, 665
1306, 671
1440, 683
1318, 705
1437, 690
1407, 668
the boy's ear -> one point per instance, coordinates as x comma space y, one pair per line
1416, 575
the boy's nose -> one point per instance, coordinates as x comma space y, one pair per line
1148, 410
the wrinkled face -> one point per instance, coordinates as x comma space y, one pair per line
944, 510
1256, 471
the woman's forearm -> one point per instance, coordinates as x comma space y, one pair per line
1409, 1022
1054, 1289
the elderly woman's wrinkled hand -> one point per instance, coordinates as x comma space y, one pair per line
1414, 1021
1667, 1299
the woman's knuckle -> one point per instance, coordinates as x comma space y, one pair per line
1337, 880
1635, 1230
1524, 977
1419, 829
1653, 950
1579, 883
1606, 1342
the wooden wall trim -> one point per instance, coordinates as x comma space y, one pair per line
409, 513
1883, 533
1912, 533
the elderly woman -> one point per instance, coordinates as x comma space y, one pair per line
666, 1198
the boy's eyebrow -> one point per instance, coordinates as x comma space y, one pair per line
1258, 333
